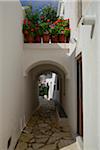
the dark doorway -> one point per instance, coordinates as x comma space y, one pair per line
79, 96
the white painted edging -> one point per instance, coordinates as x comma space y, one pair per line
79, 142
52, 46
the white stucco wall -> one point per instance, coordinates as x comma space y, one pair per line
90, 80
12, 102
90, 56
70, 105
1, 47
34, 55
98, 71
11, 72
72, 13
91, 70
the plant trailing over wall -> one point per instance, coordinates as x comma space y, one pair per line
28, 30
45, 24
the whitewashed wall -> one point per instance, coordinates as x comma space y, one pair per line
90, 79
12, 104
1, 47
70, 105
91, 84
98, 71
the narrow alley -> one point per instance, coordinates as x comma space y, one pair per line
45, 131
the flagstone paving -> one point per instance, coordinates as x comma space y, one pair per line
44, 132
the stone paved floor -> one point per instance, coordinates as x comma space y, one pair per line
44, 132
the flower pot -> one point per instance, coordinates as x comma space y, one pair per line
62, 38
25, 38
46, 38
38, 39
30, 38
54, 39
67, 39
25, 33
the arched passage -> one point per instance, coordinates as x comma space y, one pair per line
67, 88
45, 123
43, 67
55, 65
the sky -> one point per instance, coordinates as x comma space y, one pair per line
38, 4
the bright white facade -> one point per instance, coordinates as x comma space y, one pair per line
90, 55
21, 64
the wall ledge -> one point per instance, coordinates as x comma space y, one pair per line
48, 46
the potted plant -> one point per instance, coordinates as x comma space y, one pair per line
61, 34
54, 33
45, 31
38, 34
28, 31
62, 24
67, 34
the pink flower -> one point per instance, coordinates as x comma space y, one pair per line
62, 32
67, 19
52, 26
48, 20
42, 17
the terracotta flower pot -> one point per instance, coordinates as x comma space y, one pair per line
38, 39
62, 38
67, 39
25, 38
46, 38
30, 38
54, 39
25, 33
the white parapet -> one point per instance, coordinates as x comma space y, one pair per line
68, 47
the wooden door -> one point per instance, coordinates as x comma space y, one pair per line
79, 96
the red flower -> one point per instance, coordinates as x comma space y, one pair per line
56, 22
48, 20
29, 22
25, 21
